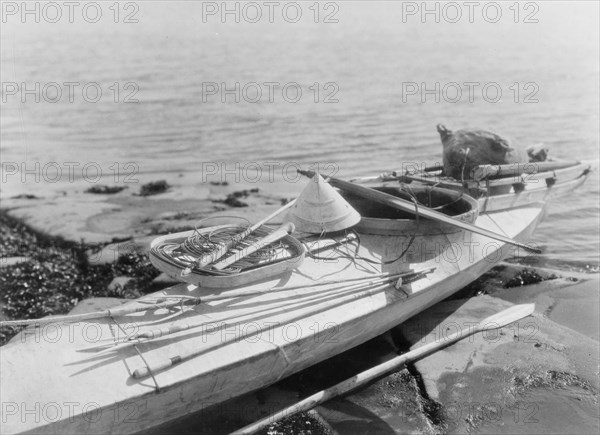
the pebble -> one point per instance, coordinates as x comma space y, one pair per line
11, 261
163, 281
118, 284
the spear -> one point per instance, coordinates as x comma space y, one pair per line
161, 302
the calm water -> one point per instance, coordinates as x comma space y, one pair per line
364, 58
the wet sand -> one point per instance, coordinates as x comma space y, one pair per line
540, 375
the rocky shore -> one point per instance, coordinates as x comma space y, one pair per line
70, 248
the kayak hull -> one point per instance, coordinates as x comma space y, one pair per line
246, 343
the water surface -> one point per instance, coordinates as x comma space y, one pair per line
363, 61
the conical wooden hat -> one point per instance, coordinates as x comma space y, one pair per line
319, 208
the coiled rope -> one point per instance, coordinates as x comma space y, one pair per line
201, 243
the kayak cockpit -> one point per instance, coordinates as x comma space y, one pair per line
382, 219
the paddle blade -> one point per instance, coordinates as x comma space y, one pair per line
507, 316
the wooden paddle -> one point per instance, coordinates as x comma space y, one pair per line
496, 321
222, 249
402, 204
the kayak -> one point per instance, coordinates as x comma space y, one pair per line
126, 373
499, 187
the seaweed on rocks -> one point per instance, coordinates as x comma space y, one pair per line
25, 196
105, 190
549, 379
499, 277
56, 274
482, 285
233, 199
154, 188
300, 424
526, 277
432, 410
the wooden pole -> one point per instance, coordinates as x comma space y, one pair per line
517, 169
146, 336
368, 280
276, 235
113, 312
496, 321
480, 172
353, 294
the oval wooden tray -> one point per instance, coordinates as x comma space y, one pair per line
289, 257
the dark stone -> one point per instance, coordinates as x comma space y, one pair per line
154, 188
117, 285
25, 196
105, 190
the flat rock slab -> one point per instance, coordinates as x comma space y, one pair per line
97, 304
533, 376
571, 301
66, 210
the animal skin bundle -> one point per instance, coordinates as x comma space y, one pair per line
464, 150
